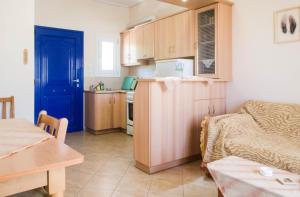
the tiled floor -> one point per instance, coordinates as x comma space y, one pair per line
109, 171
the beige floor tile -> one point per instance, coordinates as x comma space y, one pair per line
95, 193
166, 187
103, 182
137, 184
193, 190
129, 194
77, 178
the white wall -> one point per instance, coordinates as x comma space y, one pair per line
95, 19
152, 8
261, 69
17, 34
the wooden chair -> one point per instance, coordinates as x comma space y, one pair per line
10, 100
55, 127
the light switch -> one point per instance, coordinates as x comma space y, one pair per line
25, 56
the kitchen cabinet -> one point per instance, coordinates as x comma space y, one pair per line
174, 37
129, 48
214, 41
105, 111
125, 48
167, 121
119, 110
145, 41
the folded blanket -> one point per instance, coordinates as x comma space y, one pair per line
251, 134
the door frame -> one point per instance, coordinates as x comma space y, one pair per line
79, 35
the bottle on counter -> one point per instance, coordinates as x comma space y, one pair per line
101, 84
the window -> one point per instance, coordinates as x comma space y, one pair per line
108, 65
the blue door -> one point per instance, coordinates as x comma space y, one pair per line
59, 74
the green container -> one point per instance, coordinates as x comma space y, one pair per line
127, 83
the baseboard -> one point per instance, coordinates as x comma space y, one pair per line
102, 132
165, 166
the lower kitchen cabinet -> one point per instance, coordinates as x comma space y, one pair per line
167, 121
105, 111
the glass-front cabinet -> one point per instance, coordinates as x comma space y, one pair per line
213, 38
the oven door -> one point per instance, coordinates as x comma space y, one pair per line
130, 113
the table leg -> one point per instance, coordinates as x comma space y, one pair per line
56, 182
59, 194
220, 193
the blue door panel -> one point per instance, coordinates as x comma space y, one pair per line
59, 106
59, 63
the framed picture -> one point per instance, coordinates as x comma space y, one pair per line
287, 25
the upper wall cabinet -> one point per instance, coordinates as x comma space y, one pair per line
174, 36
145, 41
214, 41
129, 49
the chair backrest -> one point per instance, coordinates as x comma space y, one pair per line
4, 101
53, 126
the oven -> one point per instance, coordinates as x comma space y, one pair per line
130, 102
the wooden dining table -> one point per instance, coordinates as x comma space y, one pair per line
40, 165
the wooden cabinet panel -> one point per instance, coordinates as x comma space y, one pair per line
125, 48
105, 111
123, 110
148, 41
185, 39
167, 122
98, 111
139, 33
141, 113
166, 116
145, 41
129, 48
133, 47
116, 100
217, 107
214, 41
174, 36
162, 39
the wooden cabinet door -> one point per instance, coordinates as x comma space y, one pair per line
133, 47
213, 25
98, 111
148, 41
200, 111
185, 28
125, 48
123, 110
119, 110
139, 36
104, 111
165, 38
217, 107
116, 110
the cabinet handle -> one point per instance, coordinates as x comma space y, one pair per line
114, 99
209, 111
214, 111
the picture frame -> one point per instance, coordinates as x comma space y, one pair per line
287, 25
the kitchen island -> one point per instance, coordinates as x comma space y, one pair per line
167, 119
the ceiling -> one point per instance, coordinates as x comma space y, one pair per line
121, 3
194, 4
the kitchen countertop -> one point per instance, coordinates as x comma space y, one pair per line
193, 79
106, 91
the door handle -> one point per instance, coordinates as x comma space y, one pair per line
76, 81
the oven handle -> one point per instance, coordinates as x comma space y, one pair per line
128, 101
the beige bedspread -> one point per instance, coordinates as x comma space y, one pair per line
264, 132
17, 135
